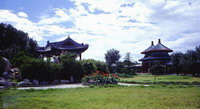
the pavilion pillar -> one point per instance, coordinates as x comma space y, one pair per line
80, 56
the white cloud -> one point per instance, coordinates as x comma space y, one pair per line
126, 25
22, 14
59, 17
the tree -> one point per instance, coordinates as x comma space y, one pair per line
156, 70
2, 67
13, 41
71, 67
175, 58
112, 56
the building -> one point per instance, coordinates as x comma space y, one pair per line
53, 49
155, 54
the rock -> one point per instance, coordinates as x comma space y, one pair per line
27, 80
65, 81
6, 75
71, 79
24, 84
13, 84
7, 64
35, 83
56, 82
2, 80
44, 82
7, 84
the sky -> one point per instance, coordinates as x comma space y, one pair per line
125, 25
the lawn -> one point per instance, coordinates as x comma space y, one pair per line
148, 78
118, 97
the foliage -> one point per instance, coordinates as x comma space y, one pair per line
186, 62
175, 58
112, 56
89, 66
13, 41
1, 66
100, 78
101, 66
71, 67
124, 75
157, 69
156, 97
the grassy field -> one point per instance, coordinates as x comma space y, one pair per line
147, 78
118, 97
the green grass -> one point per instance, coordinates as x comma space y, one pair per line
147, 78
153, 97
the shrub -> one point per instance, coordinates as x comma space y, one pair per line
157, 69
71, 67
1, 66
100, 78
124, 75
88, 66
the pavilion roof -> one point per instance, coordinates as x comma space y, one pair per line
157, 48
149, 48
67, 45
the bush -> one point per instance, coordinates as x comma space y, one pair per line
88, 66
1, 66
100, 78
71, 67
124, 75
157, 69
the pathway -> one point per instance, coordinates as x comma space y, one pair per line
72, 86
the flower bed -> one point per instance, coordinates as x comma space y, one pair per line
100, 78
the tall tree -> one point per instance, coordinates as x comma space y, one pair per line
13, 41
112, 56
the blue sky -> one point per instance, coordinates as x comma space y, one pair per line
126, 25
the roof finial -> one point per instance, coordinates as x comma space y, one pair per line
48, 42
152, 43
159, 41
68, 36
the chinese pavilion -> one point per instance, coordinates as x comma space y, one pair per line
57, 48
155, 54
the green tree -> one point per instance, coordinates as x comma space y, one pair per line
112, 56
13, 41
176, 58
71, 67
1, 66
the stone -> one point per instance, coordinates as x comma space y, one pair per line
65, 81
6, 75
71, 79
13, 84
35, 83
56, 82
24, 84
2, 80
44, 82
7, 84
27, 80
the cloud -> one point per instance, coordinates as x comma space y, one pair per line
22, 14
59, 17
126, 25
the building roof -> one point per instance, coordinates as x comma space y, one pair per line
157, 48
66, 45
149, 48
160, 47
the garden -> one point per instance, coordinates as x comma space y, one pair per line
20, 66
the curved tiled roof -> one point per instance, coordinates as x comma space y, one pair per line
157, 48
149, 48
66, 45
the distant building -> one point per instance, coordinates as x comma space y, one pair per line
53, 49
155, 54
